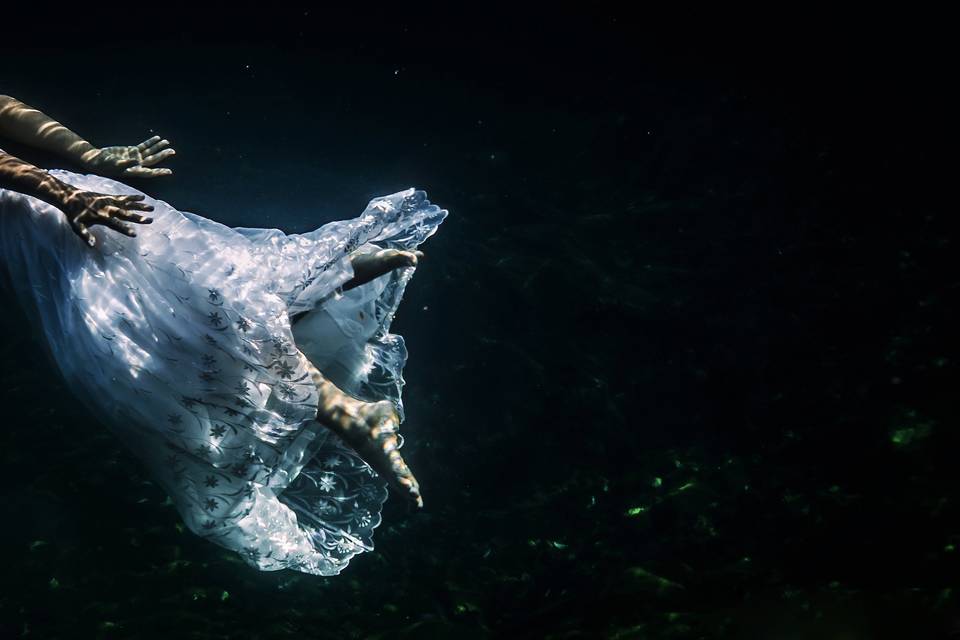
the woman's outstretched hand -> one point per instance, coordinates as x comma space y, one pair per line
85, 209
130, 161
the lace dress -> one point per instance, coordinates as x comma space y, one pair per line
180, 340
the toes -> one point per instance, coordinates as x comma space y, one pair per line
397, 258
403, 479
387, 461
407, 258
412, 490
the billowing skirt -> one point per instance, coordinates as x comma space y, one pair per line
180, 341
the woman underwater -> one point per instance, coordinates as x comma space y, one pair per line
251, 371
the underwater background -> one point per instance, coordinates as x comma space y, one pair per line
683, 358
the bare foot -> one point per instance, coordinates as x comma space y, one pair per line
374, 438
367, 266
370, 428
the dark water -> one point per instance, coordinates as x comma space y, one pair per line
684, 357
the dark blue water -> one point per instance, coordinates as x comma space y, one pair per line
683, 357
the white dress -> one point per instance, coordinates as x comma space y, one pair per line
180, 340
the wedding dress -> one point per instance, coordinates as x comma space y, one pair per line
180, 341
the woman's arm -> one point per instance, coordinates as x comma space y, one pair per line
29, 126
82, 208
17, 175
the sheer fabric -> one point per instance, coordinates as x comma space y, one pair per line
180, 340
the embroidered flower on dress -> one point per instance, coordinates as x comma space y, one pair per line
332, 461
327, 482
326, 508
243, 324
210, 504
420, 228
369, 492
211, 481
218, 431
213, 295
363, 517
215, 318
284, 370
279, 343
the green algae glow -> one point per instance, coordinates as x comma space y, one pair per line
659, 583
683, 488
902, 436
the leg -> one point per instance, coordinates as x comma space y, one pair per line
367, 266
370, 428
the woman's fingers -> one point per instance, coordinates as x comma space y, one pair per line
127, 162
134, 203
134, 217
84, 233
144, 172
151, 160
112, 220
118, 212
143, 146
123, 228
115, 217
155, 148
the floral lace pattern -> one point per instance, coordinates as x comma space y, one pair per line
180, 339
